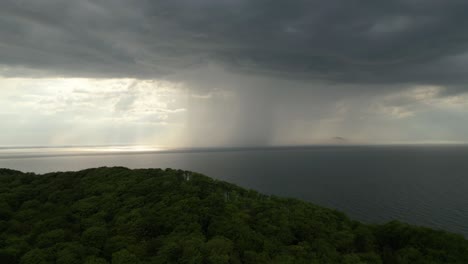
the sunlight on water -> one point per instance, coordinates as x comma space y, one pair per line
7, 152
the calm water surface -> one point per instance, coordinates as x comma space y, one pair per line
419, 185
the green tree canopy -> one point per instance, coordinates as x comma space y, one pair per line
117, 215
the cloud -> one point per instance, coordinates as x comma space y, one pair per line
234, 72
89, 111
345, 41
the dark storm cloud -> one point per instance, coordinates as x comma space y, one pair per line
382, 42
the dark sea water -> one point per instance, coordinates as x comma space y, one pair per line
423, 185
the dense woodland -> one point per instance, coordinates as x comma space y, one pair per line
118, 215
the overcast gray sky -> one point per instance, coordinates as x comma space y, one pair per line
185, 73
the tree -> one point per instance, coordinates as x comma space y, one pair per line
50, 238
124, 257
34, 256
94, 237
95, 260
219, 250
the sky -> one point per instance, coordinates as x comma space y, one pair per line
217, 73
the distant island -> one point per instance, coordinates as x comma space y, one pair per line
117, 215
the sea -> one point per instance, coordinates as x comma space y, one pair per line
419, 184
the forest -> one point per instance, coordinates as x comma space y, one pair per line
117, 215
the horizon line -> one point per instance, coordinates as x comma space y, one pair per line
82, 151
153, 147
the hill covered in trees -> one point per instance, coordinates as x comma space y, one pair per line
118, 215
